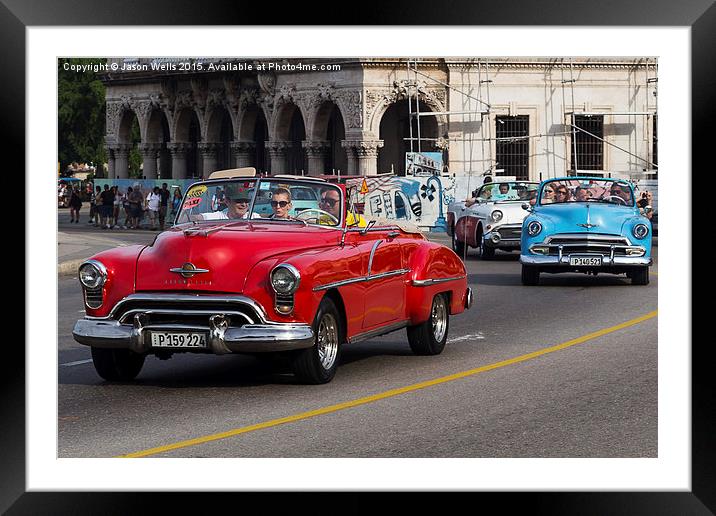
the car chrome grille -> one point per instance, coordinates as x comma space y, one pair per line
510, 232
185, 312
93, 297
588, 244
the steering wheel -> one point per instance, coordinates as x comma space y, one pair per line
617, 198
319, 213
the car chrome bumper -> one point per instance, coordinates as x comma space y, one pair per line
249, 338
606, 260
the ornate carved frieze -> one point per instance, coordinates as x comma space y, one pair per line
120, 150
350, 102
316, 148
149, 150
267, 82
278, 148
241, 147
179, 149
363, 148
208, 149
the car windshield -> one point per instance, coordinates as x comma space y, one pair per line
587, 190
267, 199
508, 191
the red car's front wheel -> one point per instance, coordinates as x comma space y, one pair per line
318, 363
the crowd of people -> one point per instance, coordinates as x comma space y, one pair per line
112, 208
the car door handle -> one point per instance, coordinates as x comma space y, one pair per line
393, 234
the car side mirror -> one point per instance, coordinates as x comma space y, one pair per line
526, 206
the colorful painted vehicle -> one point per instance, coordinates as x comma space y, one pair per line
300, 286
491, 219
586, 224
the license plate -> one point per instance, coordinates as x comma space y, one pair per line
178, 340
590, 261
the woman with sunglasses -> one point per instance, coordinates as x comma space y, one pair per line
281, 204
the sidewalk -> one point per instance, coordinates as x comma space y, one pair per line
77, 242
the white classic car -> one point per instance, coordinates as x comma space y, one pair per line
491, 219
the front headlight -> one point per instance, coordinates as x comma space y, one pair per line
496, 216
92, 274
533, 228
640, 231
285, 279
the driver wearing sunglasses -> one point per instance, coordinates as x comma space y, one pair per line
331, 203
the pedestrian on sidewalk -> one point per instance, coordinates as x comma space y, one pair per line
135, 203
97, 215
115, 206
176, 202
153, 200
107, 197
75, 205
163, 203
127, 208
89, 192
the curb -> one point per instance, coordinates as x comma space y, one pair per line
69, 268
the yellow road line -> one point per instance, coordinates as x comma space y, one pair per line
390, 393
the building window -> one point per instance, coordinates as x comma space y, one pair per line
588, 149
513, 155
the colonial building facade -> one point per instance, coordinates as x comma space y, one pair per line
523, 117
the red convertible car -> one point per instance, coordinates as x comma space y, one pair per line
300, 281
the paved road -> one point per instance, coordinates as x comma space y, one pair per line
594, 397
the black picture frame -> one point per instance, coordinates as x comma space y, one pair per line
700, 16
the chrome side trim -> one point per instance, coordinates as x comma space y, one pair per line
380, 331
372, 254
428, 282
361, 279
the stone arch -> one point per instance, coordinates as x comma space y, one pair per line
253, 133
283, 116
188, 131
378, 104
328, 130
220, 131
289, 132
124, 125
394, 127
157, 139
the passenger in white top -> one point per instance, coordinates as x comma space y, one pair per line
237, 205
153, 199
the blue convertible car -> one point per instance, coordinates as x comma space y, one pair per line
585, 224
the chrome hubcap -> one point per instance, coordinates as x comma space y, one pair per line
439, 318
327, 343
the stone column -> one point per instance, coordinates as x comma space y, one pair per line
149, 158
209, 152
121, 160
242, 153
278, 150
110, 161
179, 151
316, 152
351, 166
362, 156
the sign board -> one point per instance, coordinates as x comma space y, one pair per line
423, 163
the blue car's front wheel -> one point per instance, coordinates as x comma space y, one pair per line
530, 275
639, 276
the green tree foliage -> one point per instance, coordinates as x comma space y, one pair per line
135, 157
80, 114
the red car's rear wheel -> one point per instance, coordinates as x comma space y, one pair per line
429, 338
